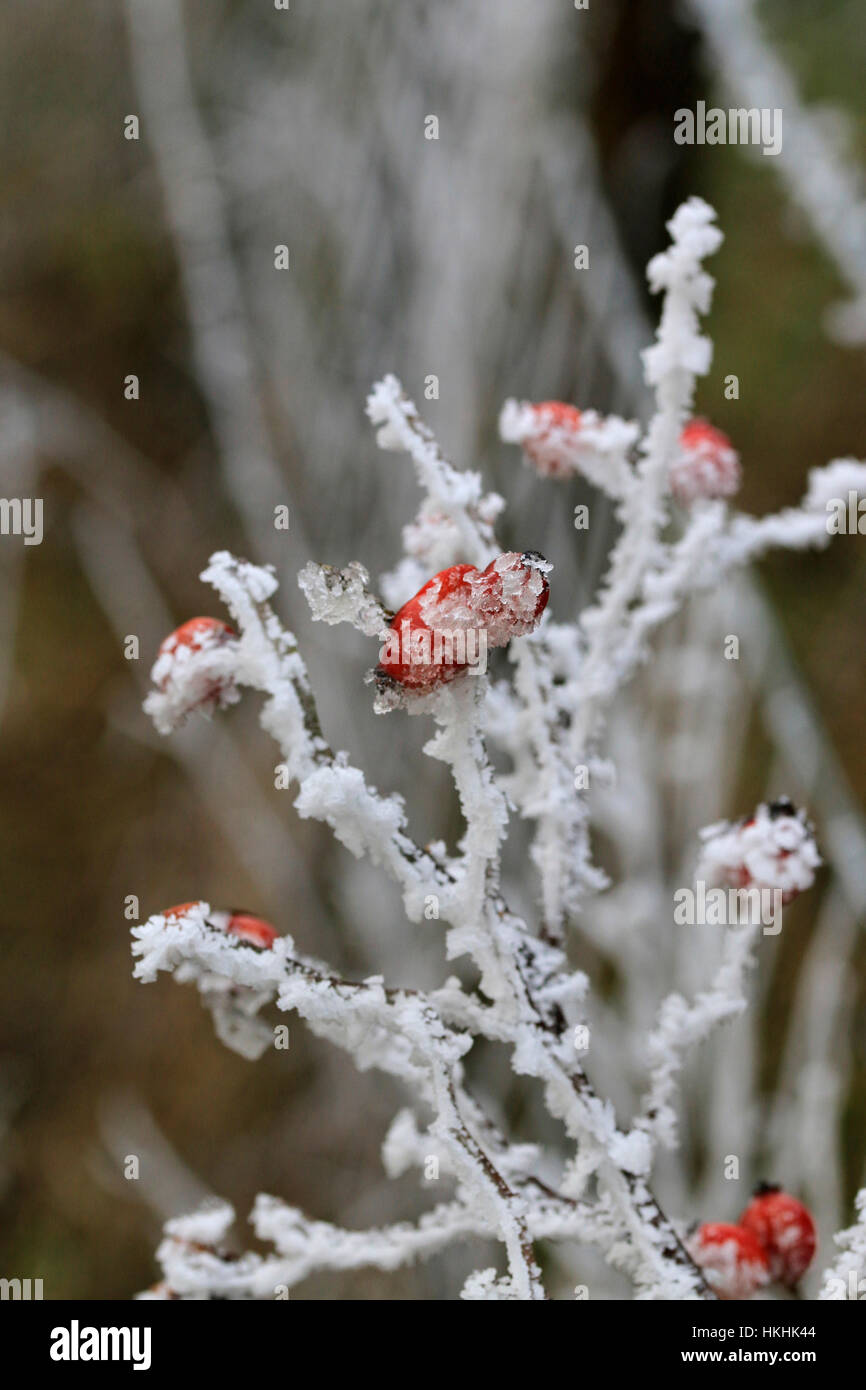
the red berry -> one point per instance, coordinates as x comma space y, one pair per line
410, 625
558, 413
786, 1230
556, 426
773, 849
197, 633
459, 613
254, 931
180, 911
732, 1259
707, 465
193, 671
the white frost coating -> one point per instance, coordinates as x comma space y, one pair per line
209, 1225
682, 1026
433, 541
833, 484
197, 952
846, 1277
679, 354
483, 1286
632, 1153
363, 821
547, 719
341, 596
707, 466
775, 848
192, 679
597, 448
453, 496
196, 1266
504, 609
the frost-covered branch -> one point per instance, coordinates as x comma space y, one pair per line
549, 719
679, 355
681, 1026
846, 1277
400, 1032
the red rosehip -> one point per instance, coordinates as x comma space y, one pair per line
555, 427
774, 849
193, 671
180, 910
707, 464
786, 1230
557, 415
459, 613
197, 633
255, 931
733, 1261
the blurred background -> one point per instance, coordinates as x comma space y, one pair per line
453, 257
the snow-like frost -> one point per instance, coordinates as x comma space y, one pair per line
547, 718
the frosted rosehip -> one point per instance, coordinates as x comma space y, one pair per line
194, 670
196, 634
785, 1229
733, 1261
557, 427
254, 930
775, 849
707, 464
548, 432
181, 910
461, 612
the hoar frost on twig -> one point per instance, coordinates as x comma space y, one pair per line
846, 1277
548, 718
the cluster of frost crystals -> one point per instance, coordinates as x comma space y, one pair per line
192, 677
846, 1277
342, 596
682, 1025
559, 441
456, 518
194, 948
549, 718
834, 484
196, 1266
773, 849
503, 600
483, 1285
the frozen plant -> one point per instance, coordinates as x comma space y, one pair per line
846, 1279
546, 720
